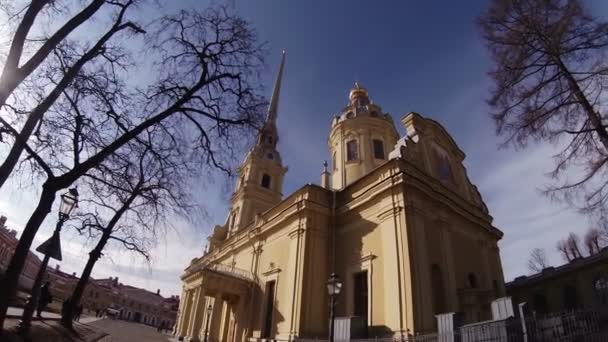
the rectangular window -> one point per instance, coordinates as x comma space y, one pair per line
267, 330
361, 293
378, 149
352, 153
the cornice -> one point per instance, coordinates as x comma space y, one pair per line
392, 211
271, 271
301, 204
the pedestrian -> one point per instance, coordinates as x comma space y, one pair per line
78, 313
65, 305
44, 299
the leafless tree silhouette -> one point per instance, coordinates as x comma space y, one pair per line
130, 201
538, 260
549, 77
201, 103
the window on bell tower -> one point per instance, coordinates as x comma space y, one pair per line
352, 152
333, 161
266, 181
378, 149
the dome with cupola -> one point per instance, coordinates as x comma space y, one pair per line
360, 138
359, 105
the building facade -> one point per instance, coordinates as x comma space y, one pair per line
8, 243
581, 283
397, 219
129, 302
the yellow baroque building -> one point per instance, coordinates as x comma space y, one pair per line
397, 219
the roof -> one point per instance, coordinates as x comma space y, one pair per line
554, 272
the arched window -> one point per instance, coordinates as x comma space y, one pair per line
233, 218
539, 303
496, 288
266, 181
600, 286
438, 290
350, 115
352, 151
269, 139
333, 161
270, 156
378, 149
445, 170
570, 297
472, 280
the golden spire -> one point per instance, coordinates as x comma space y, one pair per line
357, 91
273, 107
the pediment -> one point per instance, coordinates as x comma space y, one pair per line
419, 127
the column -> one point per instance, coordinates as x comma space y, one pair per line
184, 316
242, 317
225, 320
293, 309
196, 319
451, 285
180, 314
214, 326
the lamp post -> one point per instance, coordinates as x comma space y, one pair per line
334, 285
51, 248
209, 312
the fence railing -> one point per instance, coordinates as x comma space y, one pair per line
577, 325
584, 325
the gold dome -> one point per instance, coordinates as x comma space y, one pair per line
357, 91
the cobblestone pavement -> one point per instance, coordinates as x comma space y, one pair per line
121, 331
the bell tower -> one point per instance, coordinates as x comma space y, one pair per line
360, 139
260, 183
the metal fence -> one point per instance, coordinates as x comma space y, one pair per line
584, 325
569, 326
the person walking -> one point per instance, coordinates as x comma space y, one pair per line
78, 313
44, 299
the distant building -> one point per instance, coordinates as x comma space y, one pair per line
582, 282
132, 303
8, 243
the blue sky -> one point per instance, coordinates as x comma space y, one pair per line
423, 56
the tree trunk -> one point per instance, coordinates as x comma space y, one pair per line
592, 115
9, 283
68, 315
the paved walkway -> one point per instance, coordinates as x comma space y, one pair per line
18, 312
122, 331
50, 330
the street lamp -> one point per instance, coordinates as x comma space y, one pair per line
334, 285
209, 312
51, 248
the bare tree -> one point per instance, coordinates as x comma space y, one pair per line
538, 260
13, 75
573, 243
135, 197
594, 241
203, 100
15, 70
562, 248
549, 77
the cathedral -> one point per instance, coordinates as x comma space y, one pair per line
395, 218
